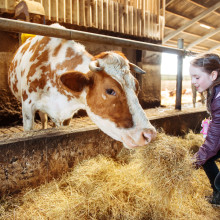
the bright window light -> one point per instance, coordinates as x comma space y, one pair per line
205, 26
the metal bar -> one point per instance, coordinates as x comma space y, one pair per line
39, 29
179, 76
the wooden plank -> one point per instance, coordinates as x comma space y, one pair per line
71, 11
116, 23
143, 18
134, 20
76, 12
162, 24
105, 15
138, 22
82, 13
111, 16
131, 20
126, 21
47, 8
94, 14
54, 10
122, 18
67, 11
60, 8
148, 23
88, 13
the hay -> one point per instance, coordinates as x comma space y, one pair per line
155, 182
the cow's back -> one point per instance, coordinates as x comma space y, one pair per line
40, 60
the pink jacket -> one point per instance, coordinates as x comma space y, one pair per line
211, 145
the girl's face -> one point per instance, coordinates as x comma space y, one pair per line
200, 79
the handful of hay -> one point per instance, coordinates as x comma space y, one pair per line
154, 182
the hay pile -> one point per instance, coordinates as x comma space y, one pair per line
155, 182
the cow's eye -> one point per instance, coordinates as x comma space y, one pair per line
110, 92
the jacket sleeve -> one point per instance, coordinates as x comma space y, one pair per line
212, 142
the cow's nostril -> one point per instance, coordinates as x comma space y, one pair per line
147, 137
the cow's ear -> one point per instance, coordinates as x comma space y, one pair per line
75, 81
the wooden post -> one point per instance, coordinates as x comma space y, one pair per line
179, 75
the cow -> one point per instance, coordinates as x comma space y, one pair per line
58, 77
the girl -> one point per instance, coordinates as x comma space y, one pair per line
205, 74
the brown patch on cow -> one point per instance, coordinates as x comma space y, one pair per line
12, 67
114, 107
56, 50
15, 84
69, 52
22, 72
30, 102
41, 58
34, 46
71, 63
25, 47
24, 95
38, 48
38, 83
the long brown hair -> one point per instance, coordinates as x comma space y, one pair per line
209, 62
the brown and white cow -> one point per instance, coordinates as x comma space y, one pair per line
58, 77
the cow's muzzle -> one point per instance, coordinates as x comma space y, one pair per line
140, 138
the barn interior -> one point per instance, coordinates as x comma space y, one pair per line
181, 27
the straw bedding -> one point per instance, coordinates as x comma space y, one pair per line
154, 182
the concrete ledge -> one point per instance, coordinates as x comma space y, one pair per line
28, 159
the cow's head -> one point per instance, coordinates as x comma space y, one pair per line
110, 93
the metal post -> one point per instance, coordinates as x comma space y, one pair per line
179, 75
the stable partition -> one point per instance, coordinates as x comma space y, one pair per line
143, 18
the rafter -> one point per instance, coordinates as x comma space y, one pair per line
203, 38
214, 48
202, 6
188, 24
194, 35
184, 17
170, 2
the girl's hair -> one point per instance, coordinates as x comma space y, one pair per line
209, 62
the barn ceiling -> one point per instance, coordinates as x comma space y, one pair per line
197, 22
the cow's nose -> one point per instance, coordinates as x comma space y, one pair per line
149, 135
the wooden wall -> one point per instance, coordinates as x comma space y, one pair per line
144, 18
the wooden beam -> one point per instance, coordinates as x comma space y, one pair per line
184, 17
213, 48
203, 38
170, 2
202, 6
188, 24
191, 34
